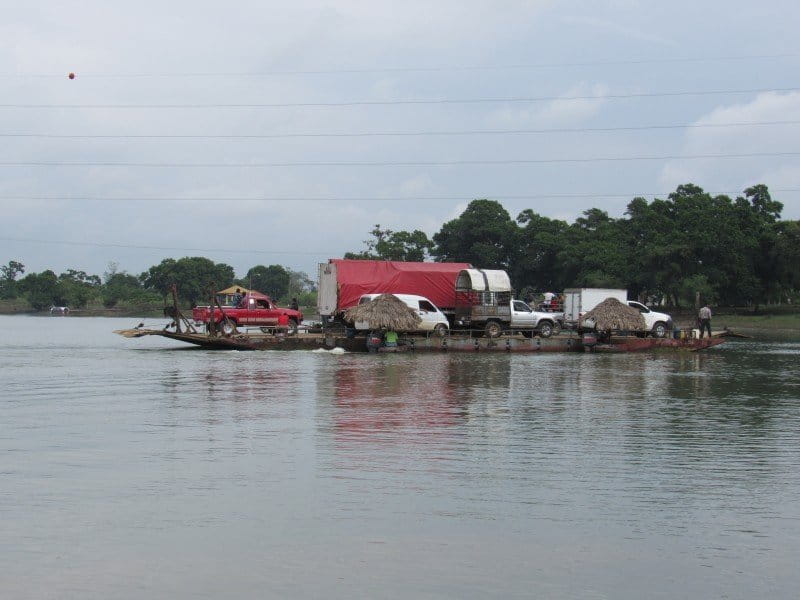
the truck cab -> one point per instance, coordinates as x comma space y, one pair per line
431, 318
658, 324
255, 309
529, 321
484, 303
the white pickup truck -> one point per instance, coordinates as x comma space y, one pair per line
529, 321
657, 323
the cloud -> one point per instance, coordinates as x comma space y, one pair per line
734, 174
564, 111
616, 28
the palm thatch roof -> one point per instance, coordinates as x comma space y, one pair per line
611, 314
385, 312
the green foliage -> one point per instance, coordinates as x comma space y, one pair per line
272, 280
41, 289
195, 277
394, 245
77, 289
120, 286
8, 276
787, 255
732, 251
484, 235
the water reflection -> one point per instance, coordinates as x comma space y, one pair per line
213, 474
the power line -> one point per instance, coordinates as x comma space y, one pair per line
420, 69
452, 163
439, 101
363, 198
171, 248
400, 133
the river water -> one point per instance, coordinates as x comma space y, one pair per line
143, 468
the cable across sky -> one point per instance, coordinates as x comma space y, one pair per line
399, 102
398, 133
450, 163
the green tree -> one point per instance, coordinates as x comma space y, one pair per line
534, 261
41, 289
787, 250
123, 287
8, 276
195, 277
593, 253
77, 288
758, 217
386, 244
272, 280
483, 235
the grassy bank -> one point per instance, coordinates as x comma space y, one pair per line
21, 307
772, 322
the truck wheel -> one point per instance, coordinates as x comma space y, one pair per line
660, 330
546, 329
493, 329
440, 330
227, 327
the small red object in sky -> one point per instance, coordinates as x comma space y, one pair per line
71, 75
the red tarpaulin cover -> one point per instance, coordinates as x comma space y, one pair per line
435, 281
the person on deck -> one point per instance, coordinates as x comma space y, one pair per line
294, 305
704, 316
237, 297
549, 300
390, 339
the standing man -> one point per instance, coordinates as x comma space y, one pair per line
294, 305
705, 320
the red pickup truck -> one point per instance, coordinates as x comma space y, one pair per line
255, 309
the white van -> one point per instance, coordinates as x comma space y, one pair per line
432, 318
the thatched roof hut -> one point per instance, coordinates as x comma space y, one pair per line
385, 312
611, 314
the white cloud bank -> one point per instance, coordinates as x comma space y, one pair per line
735, 174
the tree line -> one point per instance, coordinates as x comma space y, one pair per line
195, 277
732, 251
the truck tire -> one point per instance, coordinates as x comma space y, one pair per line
440, 330
227, 327
493, 329
545, 329
660, 330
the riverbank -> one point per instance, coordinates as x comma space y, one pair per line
21, 307
787, 322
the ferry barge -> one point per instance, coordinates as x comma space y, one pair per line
568, 342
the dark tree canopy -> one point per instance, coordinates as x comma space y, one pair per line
732, 251
484, 235
195, 277
386, 244
272, 280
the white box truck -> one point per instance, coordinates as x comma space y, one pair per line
578, 301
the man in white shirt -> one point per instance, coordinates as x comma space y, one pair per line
705, 320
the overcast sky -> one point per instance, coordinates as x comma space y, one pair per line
619, 79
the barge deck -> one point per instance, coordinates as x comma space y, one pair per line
412, 343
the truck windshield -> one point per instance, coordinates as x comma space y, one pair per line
521, 306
